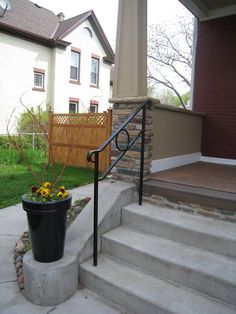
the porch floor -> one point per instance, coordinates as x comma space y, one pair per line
202, 183
201, 175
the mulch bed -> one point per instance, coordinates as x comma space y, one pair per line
23, 244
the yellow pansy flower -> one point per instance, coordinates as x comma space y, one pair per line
47, 185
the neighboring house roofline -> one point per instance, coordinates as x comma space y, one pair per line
70, 24
50, 42
35, 23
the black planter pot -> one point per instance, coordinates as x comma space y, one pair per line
47, 227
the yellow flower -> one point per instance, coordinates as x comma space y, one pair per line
65, 194
47, 185
39, 191
60, 194
61, 188
45, 192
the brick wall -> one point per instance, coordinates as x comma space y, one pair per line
215, 86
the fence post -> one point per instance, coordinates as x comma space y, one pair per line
50, 127
33, 139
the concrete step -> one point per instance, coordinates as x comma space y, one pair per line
208, 273
205, 233
84, 301
185, 193
138, 292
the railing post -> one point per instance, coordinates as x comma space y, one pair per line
142, 156
95, 219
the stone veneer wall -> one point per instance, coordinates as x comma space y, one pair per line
128, 169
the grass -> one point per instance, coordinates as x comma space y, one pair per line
15, 179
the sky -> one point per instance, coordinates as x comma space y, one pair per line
106, 11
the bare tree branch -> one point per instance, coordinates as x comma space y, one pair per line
170, 55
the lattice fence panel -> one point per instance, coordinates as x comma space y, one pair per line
73, 135
86, 119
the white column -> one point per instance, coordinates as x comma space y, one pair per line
130, 77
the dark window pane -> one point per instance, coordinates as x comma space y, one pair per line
38, 79
72, 108
93, 108
93, 78
73, 73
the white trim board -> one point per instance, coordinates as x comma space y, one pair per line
176, 161
222, 161
181, 160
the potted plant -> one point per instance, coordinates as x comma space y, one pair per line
46, 209
47, 203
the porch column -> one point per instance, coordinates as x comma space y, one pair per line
130, 86
130, 73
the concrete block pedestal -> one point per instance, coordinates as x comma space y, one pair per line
50, 283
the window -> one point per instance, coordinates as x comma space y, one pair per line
94, 71
87, 32
73, 105
74, 65
93, 106
38, 79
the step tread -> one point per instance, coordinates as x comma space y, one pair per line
166, 295
191, 258
88, 302
205, 225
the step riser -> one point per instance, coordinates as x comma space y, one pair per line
190, 278
124, 299
186, 236
184, 196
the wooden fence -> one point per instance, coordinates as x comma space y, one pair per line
71, 136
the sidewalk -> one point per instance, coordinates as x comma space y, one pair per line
13, 223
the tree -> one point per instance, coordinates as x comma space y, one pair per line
170, 55
27, 120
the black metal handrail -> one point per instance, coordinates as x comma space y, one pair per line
93, 156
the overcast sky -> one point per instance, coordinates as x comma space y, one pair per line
106, 11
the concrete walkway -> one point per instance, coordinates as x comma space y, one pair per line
13, 223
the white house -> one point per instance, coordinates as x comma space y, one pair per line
45, 59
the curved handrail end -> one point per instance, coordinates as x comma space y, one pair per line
90, 155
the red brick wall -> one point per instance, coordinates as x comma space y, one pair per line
215, 86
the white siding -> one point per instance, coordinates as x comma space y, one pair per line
84, 92
18, 58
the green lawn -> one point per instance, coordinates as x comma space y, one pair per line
16, 180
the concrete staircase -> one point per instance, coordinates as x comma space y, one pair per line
165, 261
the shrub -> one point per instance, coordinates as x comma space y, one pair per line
12, 156
33, 121
25, 140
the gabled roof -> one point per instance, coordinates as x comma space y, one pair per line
69, 25
66, 26
29, 20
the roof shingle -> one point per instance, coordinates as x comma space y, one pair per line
30, 17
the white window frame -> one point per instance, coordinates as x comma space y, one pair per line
77, 67
40, 74
96, 73
76, 103
93, 106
